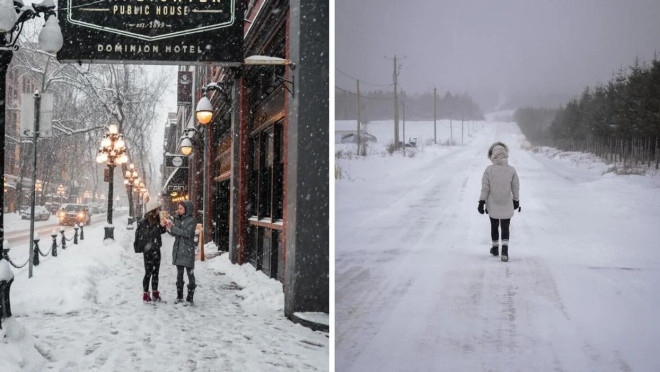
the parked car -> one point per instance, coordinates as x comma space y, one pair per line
40, 213
71, 214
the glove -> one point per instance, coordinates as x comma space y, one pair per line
481, 206
516, 205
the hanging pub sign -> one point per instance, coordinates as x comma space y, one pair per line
184, 88
152, 31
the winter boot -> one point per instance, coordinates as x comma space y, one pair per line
191, 293
145, 297
495, 251
505, 253
155, 296
179, 294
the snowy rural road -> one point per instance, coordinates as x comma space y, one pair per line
417, 290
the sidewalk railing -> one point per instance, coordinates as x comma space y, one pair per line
53, 247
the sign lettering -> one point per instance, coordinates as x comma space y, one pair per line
152, 31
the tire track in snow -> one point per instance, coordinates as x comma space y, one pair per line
361, 317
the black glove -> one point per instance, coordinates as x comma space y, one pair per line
481, 206
516, 205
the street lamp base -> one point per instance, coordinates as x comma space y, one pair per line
109, 232
130, 225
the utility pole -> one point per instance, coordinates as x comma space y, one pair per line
403, 105
451, 131
461, 130
396, 107
358, 118
435, 115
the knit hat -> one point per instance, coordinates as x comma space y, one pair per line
151, 205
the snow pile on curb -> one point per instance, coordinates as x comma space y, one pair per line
17, 348
68, 282
314, 317
259, 292
5, 271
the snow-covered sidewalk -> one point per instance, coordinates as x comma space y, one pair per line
83, 311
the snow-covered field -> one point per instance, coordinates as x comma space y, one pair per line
83, 311
417, 290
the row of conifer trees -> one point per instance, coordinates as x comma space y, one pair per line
619, 121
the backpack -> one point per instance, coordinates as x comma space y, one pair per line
141, 236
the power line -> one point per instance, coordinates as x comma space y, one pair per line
419, 116
361, 96
363, 81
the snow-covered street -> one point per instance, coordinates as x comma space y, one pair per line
417, 290
83, 311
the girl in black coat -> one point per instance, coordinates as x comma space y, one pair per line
150, 224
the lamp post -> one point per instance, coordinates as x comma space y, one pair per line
129, 180
60, 192
112, 152
13, 14
204, 115
136, 199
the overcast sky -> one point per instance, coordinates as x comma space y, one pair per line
506, 51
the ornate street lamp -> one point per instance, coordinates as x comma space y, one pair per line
60, 192
129, 180
112, 152
13, 14
38, 187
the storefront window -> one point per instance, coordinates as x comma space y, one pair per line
267, 173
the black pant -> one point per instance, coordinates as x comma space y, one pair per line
179, 277
494, 231
151, 268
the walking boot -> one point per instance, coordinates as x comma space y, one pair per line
191, 293
179, 294
505, 253
145, 297
155, 296
495, 250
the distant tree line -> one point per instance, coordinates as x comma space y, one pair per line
535, 123
379, 105
619, 121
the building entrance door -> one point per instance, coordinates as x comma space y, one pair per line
221, 215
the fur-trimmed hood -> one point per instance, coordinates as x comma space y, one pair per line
490, 150
498, 153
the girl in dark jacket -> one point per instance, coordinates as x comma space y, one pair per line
149, 225
183, 251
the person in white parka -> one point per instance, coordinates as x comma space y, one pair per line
500, 197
